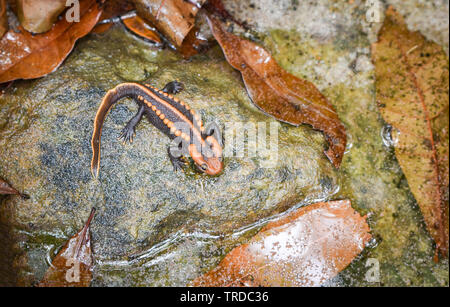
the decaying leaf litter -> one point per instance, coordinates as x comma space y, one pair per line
72, 266
412, 95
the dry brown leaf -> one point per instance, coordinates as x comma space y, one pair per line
38, 16
25, 56
72, 267
412, 94
7, 189
305, 248
3, 18
173, 18
280, 94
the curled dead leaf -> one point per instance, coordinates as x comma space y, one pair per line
39, 16
25, 56
140, 27
173, 18
194, 43
114, 8
280, 94
412, 84
102, 27
110, 10
72, 266
3, 18
306, 248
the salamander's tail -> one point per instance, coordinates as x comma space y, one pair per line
111, 97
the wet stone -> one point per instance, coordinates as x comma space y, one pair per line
46, 127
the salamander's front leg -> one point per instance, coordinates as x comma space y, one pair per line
173, 87
129, 130
177, 162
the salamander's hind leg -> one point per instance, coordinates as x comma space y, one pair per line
173, 87
177, 162
129, 130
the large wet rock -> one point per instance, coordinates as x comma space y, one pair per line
45, 150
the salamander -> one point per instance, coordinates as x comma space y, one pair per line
169, 114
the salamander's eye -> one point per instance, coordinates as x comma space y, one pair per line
204, 166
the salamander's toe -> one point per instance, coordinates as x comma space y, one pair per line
178, 164
173, 87
177, 87
127, 134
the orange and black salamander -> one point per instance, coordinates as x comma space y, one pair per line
166, 113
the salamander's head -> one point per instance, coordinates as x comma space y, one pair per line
210, 160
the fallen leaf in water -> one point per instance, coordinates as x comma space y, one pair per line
114, 8
7, 189
101, 27
140, 27
306, 248
72, 266
280, 94
194, 43
38, 16
3, 18
110, 10
173, 18
25, 56
412, 86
